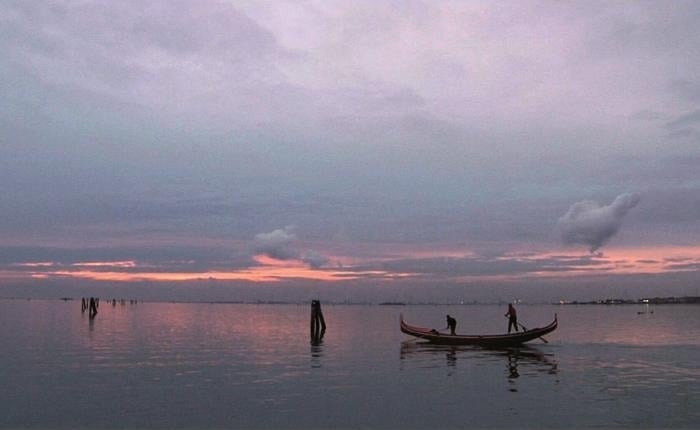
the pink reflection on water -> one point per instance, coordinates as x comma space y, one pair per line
188, 337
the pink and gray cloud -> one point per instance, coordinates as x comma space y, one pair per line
592, 224
280, 245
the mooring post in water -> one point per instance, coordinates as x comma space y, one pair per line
313, 318
321, 319
93, 307
318, 323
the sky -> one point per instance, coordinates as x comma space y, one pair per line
365, 150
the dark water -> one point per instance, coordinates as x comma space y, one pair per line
244, 366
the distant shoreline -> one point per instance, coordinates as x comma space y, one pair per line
684, 300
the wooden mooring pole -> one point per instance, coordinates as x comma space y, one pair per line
318, 323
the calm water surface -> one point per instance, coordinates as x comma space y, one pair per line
162, 365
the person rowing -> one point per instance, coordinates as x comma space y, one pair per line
451, 324
512, 316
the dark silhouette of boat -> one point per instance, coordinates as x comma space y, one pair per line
491, 340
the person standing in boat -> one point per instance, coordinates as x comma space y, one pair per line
451, 324
512, 316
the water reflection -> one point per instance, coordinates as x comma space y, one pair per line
260, 358
316, 352
517, 359
513, 366
451, 357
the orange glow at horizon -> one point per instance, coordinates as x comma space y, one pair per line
631, 260
270, 270
121, 264
276, 273
269, 261
35, 264
613, 261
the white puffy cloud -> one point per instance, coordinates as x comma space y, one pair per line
589, 223
279, 244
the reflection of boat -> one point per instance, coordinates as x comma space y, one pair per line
492, 340
533, 360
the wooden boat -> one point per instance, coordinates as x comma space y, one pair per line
491, 340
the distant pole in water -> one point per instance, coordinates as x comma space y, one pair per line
93, 307
318, 323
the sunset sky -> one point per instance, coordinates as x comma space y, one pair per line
365, 150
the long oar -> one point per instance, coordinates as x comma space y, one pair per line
525, 328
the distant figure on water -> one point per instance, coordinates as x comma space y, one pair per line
318, 323
512, 317
451, 324
93, 308
83, 305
